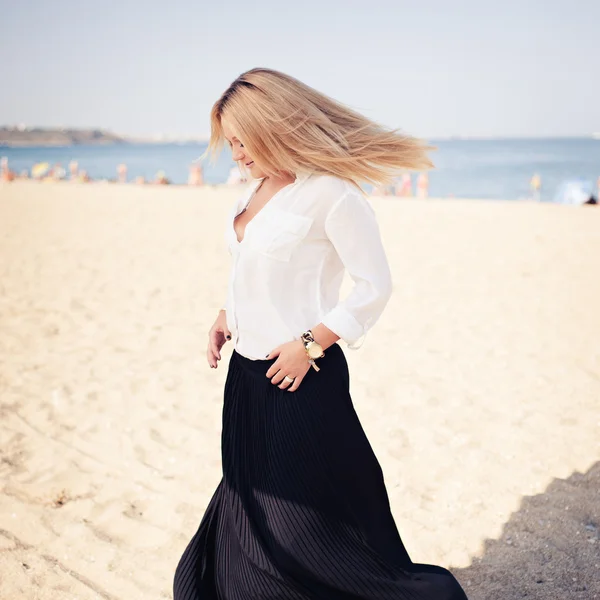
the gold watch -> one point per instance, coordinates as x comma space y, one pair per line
313, 349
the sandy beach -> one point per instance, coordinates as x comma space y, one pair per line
479, 388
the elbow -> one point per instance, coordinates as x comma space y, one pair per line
381, 294
351, 319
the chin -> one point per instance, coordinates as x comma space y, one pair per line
256, 172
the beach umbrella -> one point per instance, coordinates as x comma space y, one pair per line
40, 169
574, 191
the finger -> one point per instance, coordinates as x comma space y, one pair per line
212, 360
278, 377
214, 348
286, 383
296, 383
273, 353
227, 333
273, 369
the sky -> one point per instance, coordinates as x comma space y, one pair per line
433, 68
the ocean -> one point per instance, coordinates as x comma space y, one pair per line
487, 169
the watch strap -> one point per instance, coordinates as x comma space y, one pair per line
307, 336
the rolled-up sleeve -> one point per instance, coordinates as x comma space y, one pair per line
352, 228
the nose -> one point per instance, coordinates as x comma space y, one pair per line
237, 153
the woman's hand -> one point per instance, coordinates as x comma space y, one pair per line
217, 336
292, 361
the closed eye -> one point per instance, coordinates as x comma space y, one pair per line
231, 145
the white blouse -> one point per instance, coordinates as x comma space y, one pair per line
288, 269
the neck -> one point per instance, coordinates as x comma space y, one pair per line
280, 179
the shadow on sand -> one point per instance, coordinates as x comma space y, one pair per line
548, 550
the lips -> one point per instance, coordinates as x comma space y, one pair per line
250, 163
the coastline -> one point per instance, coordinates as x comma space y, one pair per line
500, 169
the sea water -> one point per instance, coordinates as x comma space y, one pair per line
487, 169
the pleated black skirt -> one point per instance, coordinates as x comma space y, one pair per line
301, 511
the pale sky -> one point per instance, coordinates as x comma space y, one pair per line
433, 68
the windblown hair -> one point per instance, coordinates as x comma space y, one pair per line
287, 126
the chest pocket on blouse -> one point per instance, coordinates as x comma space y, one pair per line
280, 232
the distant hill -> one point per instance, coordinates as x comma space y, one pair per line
17, 136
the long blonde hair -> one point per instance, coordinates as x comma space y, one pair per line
287, 126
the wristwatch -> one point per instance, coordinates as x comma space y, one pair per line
313, 349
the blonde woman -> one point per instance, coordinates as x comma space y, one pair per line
302, 510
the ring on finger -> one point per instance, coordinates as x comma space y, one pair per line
289, 379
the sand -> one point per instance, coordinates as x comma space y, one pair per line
479, 388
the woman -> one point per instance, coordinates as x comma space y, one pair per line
301, 511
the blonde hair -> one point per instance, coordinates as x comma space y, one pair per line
287, 126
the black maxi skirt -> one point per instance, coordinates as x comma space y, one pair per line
302, 511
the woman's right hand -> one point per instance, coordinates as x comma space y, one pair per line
217, 336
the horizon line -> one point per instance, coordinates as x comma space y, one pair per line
167, 137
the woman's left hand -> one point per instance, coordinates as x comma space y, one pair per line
292, 361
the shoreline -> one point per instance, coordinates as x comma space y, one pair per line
507, 168
51, 183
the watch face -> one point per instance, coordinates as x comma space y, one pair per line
314, 350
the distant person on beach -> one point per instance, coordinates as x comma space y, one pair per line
536, 186
58, 172
73, 170
422, 185
84, 177
195, 176
403, 186
384, 189
302, 511
161, 178
122, 173
5, 173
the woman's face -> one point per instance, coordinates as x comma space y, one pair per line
239, 152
